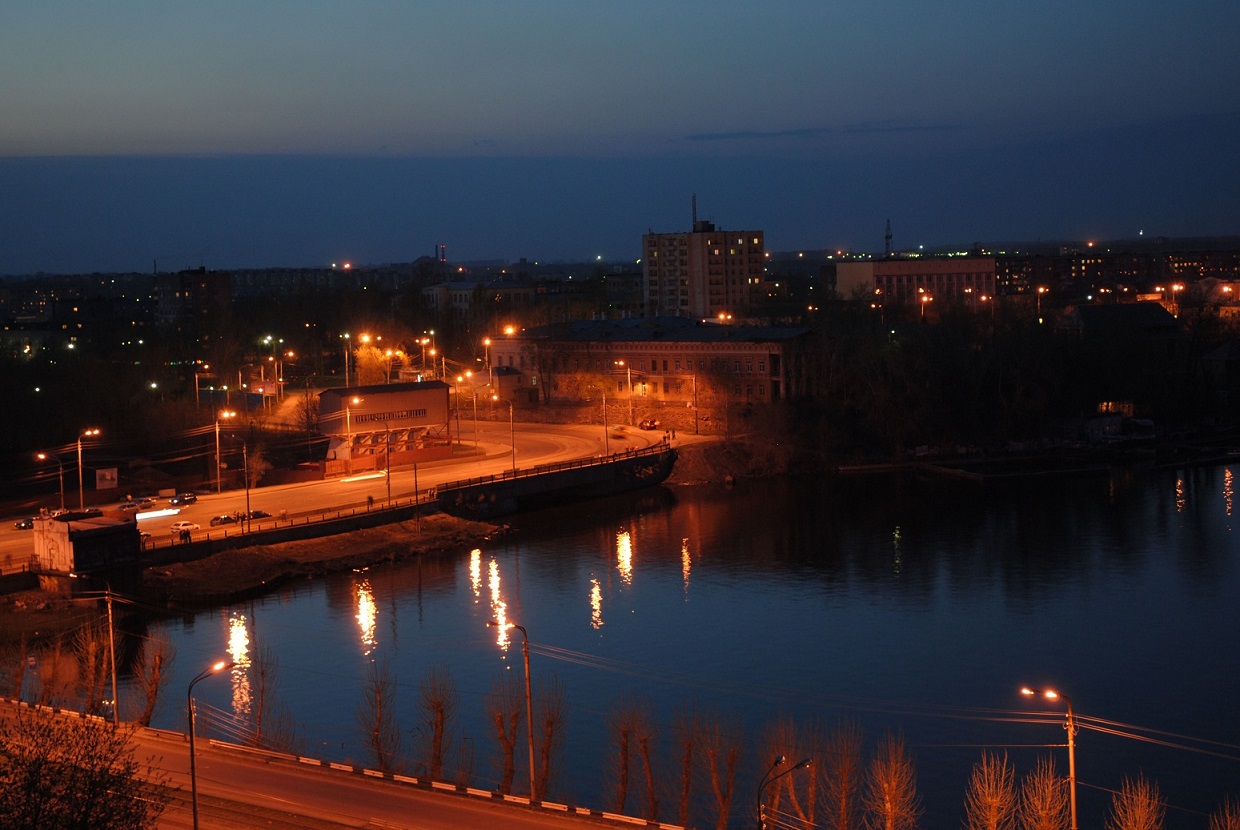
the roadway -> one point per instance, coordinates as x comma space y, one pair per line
486, 452
239, 788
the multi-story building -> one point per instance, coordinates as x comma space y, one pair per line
922, 280
707, 273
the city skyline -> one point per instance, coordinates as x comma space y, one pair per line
233, 136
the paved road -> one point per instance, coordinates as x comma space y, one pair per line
243, 789
488, 452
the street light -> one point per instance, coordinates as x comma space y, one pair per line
348, 426
345, 338
86, 433
1042, 289
60, 474
193, 777
628, 371
768, 779
486, 344
1070, 726
529, 700
223, 413
512, 433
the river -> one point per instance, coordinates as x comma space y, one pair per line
898, 603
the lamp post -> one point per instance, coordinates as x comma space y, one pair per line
223, 413
512, 433
1042, 289
387, 460
245, 473
628, 371
86, 433
1070, 726
768, 779
529, 699
60, 474
345, 337
216, 668
348, 426
486, 345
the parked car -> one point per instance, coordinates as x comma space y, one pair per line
146, 504
649, 423
183, 498
24, 524
128, 506
223, 519
259, 514
180, 527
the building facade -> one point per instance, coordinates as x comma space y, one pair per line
707, 273
660, 361
909, 282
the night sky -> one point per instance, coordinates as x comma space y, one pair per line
231, 134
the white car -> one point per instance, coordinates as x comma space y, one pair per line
180, 527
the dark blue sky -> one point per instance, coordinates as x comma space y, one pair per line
231, 134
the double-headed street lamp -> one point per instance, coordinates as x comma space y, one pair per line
193, 777
86, 433
222, 414
1051, 694
768, 779
60, 474
529, 699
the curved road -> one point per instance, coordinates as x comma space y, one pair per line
487, 452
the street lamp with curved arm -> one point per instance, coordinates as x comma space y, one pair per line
529, 700
60, 474
86, 433
1070, 726
222, 414
215, 668
512, 433
769, 779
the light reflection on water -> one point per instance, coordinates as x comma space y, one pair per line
901, 604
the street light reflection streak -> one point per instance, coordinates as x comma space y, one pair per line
499, 608
686, 564
596, 603
475, 573
624, 556
367, 615
239, 651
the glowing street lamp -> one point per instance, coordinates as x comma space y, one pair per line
529, 699
1070, 725
193, 778
348, 426
512, 433
1042, 289
628, 372
345, 338
486, 345
60, 474
768, 779
225, 414
86, 433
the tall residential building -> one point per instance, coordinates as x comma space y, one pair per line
708, 273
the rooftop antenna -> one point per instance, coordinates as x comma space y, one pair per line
695, 211
887, 240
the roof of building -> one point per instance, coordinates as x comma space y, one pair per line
390, 388
673, 329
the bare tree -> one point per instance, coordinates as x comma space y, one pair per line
14, 663
90, 645
151, 674
437, 709
377, 717
505, 709
1226, 817
685, 730
57, 676
890, 800
75, 772
621, 724
721, 750
1044, 799
1137, 806
990, 802
273, 725
552, 707
841, 771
